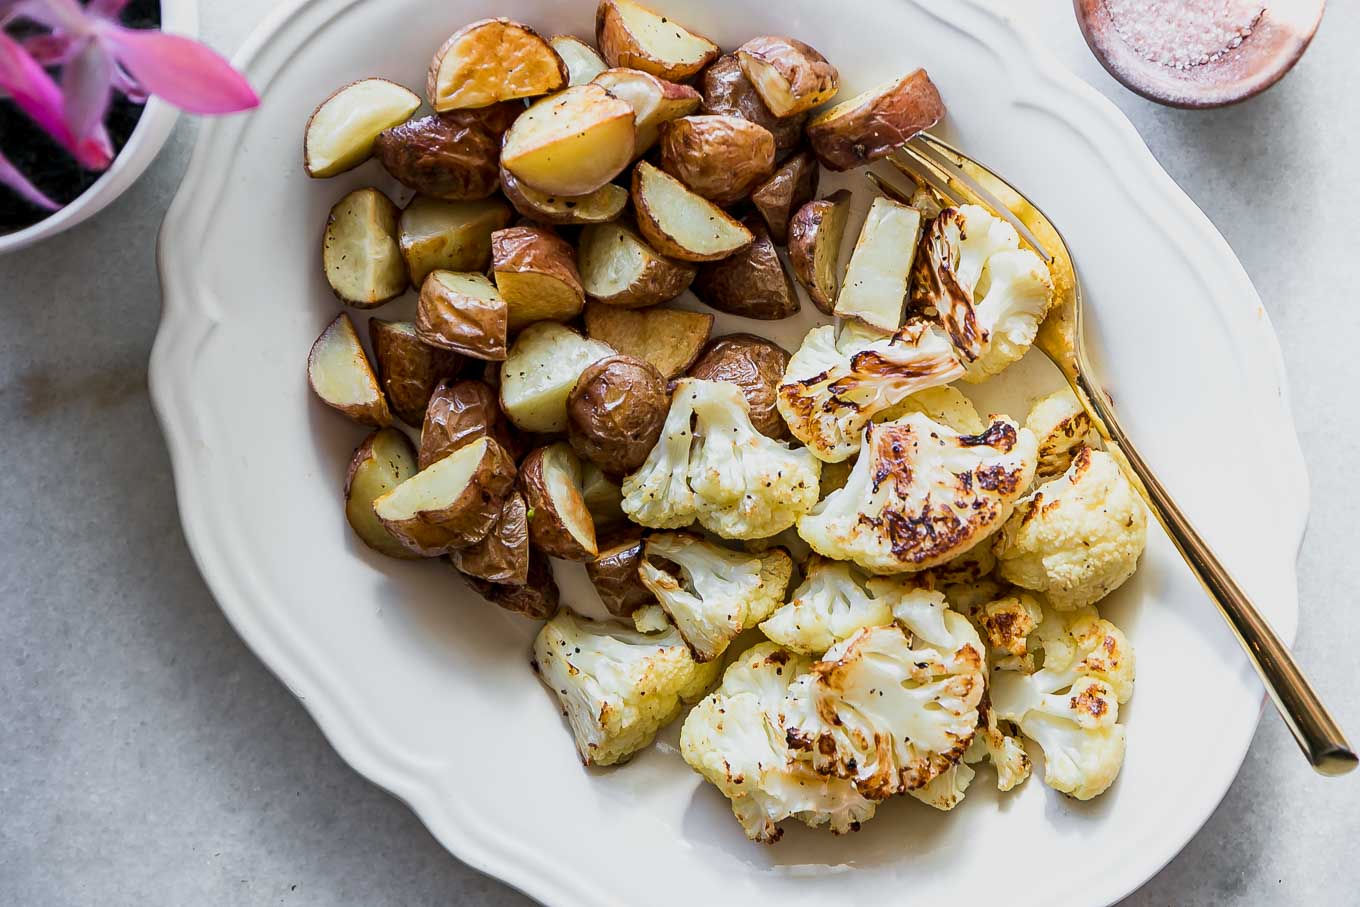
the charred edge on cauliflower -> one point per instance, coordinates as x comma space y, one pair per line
936, 289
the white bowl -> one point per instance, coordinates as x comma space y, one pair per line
178, 17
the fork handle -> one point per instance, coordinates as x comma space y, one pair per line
1314, 729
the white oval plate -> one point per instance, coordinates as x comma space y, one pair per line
425, 689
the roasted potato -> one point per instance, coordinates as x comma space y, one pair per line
600, 206
618, 268
342, 377
755, 365
614, 573
670, 339
559, 521
815, 236
503, 555
603, 497
492, 60
751, 283
720, 157
408, 369
383, 461
453, 502
792, 186
543, 365
360, 250
631, 35
463, 313
459, 413
615, 413
570, 143
454, 155
341, 131
655, 101
870, 125
680, 223
789, 76
879, 274
535, 271
537, 597
583, 62
452, 236
728, 92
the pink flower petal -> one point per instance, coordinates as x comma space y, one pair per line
15, 180
51, 48
86, 84
107, 9
33, 90
183, 72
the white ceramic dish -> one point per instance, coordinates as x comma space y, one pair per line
425, 689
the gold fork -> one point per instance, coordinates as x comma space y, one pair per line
954, 178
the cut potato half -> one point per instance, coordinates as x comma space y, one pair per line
789, 76
382, 462
583, 63
670, 339
449, 235
463, 313
791, 187
654, 100
536, 598
879, 273
360, 251
752, 283
571, 143
614, 574
451, 504
493, 60
815, 236
618, 268
720, 157
629, 34
342, 377
459, 413
341, 131
603, 497
680, 223
727, 91
600, 206
559, 521
454, 155
408, 368
870, 125
542, 368
535, 271
503, 556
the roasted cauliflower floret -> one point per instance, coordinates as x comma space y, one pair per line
712, 465
828, 394
735, 738
920, 494
617, 687
945, 791
1004, 751
988, 293
891, 708
946, 405
1061, 426
829, 606
1006, 625
717, 594
1078, 537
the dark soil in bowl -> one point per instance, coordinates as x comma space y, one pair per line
46, 164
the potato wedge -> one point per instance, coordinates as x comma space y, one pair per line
571, 143
603, 497
360, 251
720, 157
751, 283
792, 186
451, 236
681, 223
615, 413
614, 573
655, 101
454, 155
879, 273
459, 413
670, 339
755, 365
503, 556
535, 272
492, 60
815, 236
870, 125
601, 206
383, 461
542, 368
789, 76
536, 598
629, 34
452, 503
341, 131
583, 62
559, 522
408, 369
341, 376
728, 92
618, 268
463, 313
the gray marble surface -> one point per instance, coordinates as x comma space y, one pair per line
147, 757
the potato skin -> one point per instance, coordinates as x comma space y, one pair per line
661, 278
751, 283
536, 250
459, 413
754, 364
467, 520
792, 185
400, 464
536, 598
806, 230
867, 131
614, 573
548, 529
503, 556
728, 92
810, 78
408, 369
721, 158
453, 155
462, 323
563, 209
615, 413
618, 47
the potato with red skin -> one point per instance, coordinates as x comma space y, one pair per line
361, 251
560, 524
572, 142
537, 597
679, 222
383, 461
489, 61
721, 158
655, 102
615, 413
793, 185
871, 125
618, 268
815, 236
503, 556
408, 368
670, 339
790, 76
728, 92
463, 313
755, 365
454, 155
614, 573
341, 376
629, 34
535, 272
601, 206
751, 283
459, 413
